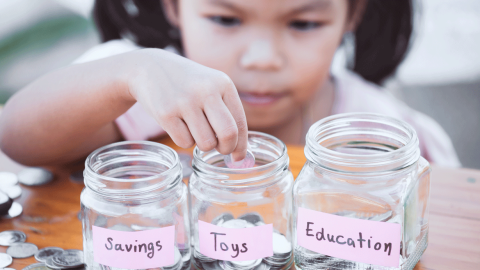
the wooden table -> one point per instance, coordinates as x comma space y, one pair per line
50, 214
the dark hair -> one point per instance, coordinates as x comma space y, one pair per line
382, 37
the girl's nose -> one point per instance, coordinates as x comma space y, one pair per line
262, 55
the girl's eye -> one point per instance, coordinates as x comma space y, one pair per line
304, 25
225, 20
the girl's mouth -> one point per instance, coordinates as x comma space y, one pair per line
259, 99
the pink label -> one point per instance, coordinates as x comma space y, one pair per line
235, 244
134, 250
351, 239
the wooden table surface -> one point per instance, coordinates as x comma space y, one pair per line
50, 214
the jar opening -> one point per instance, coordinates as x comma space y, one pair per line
270, 158
362, 142
132, 168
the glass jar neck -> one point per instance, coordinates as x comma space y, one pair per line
271, 162
132, 169
362, 143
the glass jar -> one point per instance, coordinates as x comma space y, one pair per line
241, 218
135, 208
361, 200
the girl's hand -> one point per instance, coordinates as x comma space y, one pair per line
192, 103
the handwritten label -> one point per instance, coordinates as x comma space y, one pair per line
230, 244
351, 239
134, 250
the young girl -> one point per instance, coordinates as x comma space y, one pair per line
224, 63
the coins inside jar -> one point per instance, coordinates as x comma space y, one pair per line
282, 248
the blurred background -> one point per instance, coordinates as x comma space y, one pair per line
440, 77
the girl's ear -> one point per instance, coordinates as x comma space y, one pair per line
356, 12
170, 9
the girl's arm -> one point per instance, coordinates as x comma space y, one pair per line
66, 114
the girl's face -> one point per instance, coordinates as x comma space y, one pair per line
277, 52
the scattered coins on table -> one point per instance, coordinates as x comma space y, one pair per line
43, 254
34, 176
22, 250
7, 238
247, 162
282, 248
5, 260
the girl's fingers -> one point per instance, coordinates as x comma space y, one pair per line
178, 131
200, 129
223, 124
234, 105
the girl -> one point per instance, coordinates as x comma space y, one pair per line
264, 62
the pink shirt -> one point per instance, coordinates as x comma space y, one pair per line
353, 94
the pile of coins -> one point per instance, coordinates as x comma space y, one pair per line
282, 248
48, 258
11, 190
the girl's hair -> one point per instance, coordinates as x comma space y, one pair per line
382, 37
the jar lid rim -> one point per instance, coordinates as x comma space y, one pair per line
176, 161
315, 151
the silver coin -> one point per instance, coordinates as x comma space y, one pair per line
236, 224
9, 237
8, 179
68, 260
250, 264
247, 162
253, 217
13, 191
75, 252
15, 210
22, 250
50, 264
222, 218
36, 266
43, 254
77, 176
186, 161
34, 176
5, 260
281, 245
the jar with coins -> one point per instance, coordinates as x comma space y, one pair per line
241, 210
361, 200
135, 208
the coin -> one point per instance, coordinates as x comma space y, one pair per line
22, 250
5, 203
69, 259
280, 244
247, 162
8, 179
5, 260
222, 218
50, 264
253, 217
9, 237
43, 254
77, 176
36, 266
15, 210
236, 224
186, 161
34, 176
13, 191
